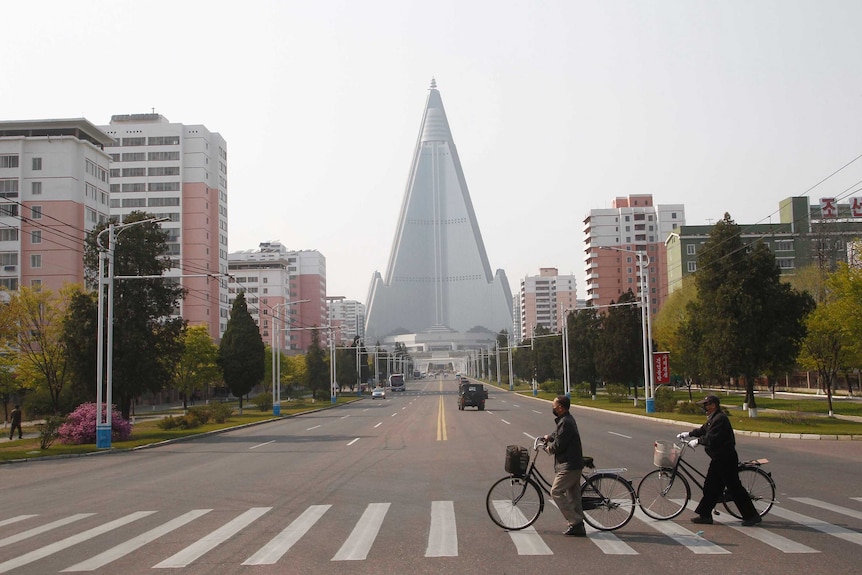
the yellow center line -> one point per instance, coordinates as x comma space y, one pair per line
441, 419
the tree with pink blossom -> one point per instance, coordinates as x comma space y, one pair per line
80, 426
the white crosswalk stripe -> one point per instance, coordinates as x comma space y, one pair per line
442, 534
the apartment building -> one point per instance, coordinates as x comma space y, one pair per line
54, 178
624, 247
543, 301
347, 318
178, 172
277, 282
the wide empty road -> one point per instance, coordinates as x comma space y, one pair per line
398, 486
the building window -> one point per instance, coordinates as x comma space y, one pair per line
36, 284
692, 267
9, 210
36, 212
9, 188
164, 171
134, 172
163, 156
9, 235
36, 237
134, 142
37, 164
164, 141
35, 261
9, 161
690, 249
164, 186
135, 188
134, 157
785, 263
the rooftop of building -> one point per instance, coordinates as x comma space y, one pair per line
80, 128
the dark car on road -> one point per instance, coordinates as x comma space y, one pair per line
471, 395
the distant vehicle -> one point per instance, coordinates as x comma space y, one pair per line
396, 381
378, 393
417, 375
471, 395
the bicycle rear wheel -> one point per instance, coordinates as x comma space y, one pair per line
760, 487
608, 501
514, 502
663, 494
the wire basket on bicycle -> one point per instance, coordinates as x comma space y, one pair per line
666, 453
517, 460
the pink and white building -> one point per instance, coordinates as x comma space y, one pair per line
543, 300
54, 178
178, 172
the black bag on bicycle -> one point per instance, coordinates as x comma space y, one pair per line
517, 460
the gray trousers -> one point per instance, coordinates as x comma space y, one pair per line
566, 491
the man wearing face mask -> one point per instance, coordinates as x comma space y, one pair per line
716, 435
565, 445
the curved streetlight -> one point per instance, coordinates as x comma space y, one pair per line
103, 426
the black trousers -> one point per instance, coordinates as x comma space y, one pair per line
723, 473
12, 431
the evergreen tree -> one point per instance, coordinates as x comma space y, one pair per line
584, 328
316, 366
147, 342
745, 320
621, 342
241, 354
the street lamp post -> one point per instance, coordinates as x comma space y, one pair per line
105, 374
277, 344
646, 324
511, 374
567, 384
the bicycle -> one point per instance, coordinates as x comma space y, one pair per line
665, 492
516, 501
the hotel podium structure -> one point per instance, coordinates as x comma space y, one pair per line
438, 292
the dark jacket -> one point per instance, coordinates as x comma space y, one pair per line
16, 417
716, 435
565, 444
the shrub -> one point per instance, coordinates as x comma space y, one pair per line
552, 386
220, 412
200, 412
80, 426
617, 392
50, 430
169, 422
263, 401
689, 408
664, 399
583, 390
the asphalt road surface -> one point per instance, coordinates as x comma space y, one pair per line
398, 486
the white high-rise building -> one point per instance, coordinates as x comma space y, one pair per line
544, 300
178, 172
53, 189
347, 318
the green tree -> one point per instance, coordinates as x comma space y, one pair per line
147, 342
747, 321
241, 354
198, 365
316, 365
834, 328
621, 343
345, 370
584, 328
79, 334
41, 357
669, 332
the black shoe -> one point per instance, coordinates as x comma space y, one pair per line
752, 521
576, 531
702, 520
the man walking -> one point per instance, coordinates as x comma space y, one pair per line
716, 435
565, 445
16, 422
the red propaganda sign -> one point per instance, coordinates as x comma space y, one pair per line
661, 366
828, 208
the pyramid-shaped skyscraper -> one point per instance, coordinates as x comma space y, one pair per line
438, 285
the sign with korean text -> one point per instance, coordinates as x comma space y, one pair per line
828, 208
661, 366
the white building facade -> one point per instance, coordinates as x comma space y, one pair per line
178, 172
544, 300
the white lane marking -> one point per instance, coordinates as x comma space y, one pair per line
213, 540
695, 543
443, 537
394, 414
609, 543
359, 542
533, 437
42, 529
124, 549
620, 434
378, 425
527, 541
515, 405
261, 444
779, 542
281, 543
534, 411
828, 506
345, 416
506, 422
310, 428
490, 412
15, 519
70, 541
353, 441
822, 526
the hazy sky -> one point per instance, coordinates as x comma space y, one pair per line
556, 108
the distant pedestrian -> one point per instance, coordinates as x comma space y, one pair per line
16, 422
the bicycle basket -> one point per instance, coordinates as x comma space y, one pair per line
666, 453
517, 459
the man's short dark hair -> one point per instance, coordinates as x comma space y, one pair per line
564, 402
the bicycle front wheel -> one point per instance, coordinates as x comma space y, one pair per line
608, 501
760, 487
663, 494
514, 502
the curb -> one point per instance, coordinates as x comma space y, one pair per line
770, 435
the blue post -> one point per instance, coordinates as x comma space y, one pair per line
103, 436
